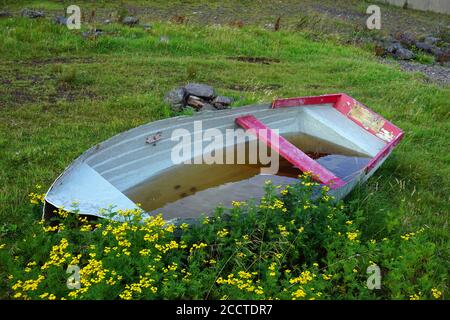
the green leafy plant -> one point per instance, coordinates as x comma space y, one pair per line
296, 243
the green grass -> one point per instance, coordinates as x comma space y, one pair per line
61, 94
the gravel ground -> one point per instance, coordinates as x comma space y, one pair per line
346, 19
434, 72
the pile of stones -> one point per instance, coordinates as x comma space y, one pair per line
402, 47
198, 96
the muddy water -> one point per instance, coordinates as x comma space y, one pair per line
188, 190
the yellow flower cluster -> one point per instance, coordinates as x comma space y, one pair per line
205, 220
21, 287
272, 269
171, 267
61, 212
407, 236
154, 222
92, 273
243, 282
283, 230
352, 235
47, 296
277, 204
436, 293
210, 261
327, 277
309, 183
36, 198
184, 226
135, 213
298, 294
52, 228
57, 255
222, 233
415, 296
168, 246
196, 246
144, 252
304, 278
137, 288
238, 204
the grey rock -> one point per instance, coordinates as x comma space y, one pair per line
147, 26
220, 106
32, 14
92, 33
437, 51
130, 21
225, 101
393, 47
208, 107
424, 47
5, 14
430, 40
200, 90
107, 21
176, 98
60, 20
406, 39
399, 52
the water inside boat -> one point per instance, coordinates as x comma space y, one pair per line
190, 189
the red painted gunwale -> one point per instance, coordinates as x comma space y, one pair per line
288, 151
343, 103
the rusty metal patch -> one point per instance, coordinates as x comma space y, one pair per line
154, 138
366, 118
385, 135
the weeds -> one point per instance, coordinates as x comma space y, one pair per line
288, 246
68, 75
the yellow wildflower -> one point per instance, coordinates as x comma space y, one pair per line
326, 277
436, 293
222, 233
352, 235
304, 278
415, 296
300, 293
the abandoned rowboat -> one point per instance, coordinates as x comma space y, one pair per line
335, 137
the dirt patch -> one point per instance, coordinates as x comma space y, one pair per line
57, 60
68, 93
260, 60
19, 96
